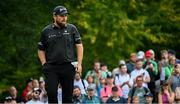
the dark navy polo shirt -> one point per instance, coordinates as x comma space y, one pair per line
59, 43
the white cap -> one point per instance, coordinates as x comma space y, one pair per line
140, 55
122, 62
152, 51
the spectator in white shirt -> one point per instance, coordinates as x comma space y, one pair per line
81, 83
35, 97
117, 70
123, 80
139, 71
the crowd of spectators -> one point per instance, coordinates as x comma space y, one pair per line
142, 79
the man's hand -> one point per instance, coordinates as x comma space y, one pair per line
43, 63
79, 69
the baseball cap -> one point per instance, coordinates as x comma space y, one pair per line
140, 55
148, 94
121, 62
152, 51
148, 54
109, 75
60, 10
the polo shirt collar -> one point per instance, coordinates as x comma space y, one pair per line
116, 99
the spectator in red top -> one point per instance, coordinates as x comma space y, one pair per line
27, 90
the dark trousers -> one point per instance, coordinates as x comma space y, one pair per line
63, 74
152, 88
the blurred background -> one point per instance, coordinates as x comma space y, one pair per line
110, 30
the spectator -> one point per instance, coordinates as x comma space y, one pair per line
91, 83
149, 98
35, 97
90, 98
138, 90
116, 70
27, 90
162, 64
35, 83
115, 98
140, 55
166, 95
59, 94
43, 95
123, 80
9, 100
102, 83
106, 91
170, 68
96, 73
104, 70
152, 54
139, 71
172, 53
77, 95
81, 83
131, 63
175, 83
14, 94
135, 100
151, 67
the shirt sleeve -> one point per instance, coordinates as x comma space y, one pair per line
41, 43
155, 67
77, 37
146, 74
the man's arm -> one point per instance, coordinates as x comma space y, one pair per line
41, 55
146, 77
79, 57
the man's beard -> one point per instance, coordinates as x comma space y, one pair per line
61, 24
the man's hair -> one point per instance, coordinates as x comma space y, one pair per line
122, 65
140, 76
76, 87
164, 51
133, 54
135, 97
114, 89
103, 64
